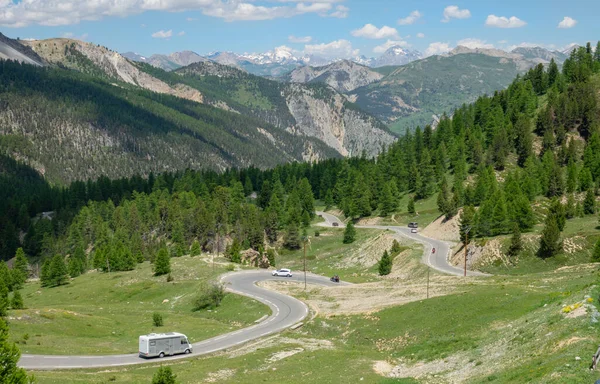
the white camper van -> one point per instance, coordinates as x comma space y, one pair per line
163, 344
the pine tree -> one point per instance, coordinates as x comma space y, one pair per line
74, 267
387, 201
45, 273
550, 243
499, 221
570, 208
20, 268
307, 201
271, 256
164, 375
516, 244
385, 264
58, 271
9, 357
589, 203
17, 301
395, 248
552, 73
349, 233
4, 302
585, 179
329, 200
411, 206
555, 181
596, 252
442, 199
162, 264
291, 238
523, 139
557, 210
522, 213
195, 250
234, 252
5, 275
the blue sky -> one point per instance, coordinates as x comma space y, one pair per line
331, 27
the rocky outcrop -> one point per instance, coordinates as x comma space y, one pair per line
88, 57
343, 76
328, 118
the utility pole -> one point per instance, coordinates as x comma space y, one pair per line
213, 258
304, 241
466, 248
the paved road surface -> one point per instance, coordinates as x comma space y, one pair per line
287, 311
437, 260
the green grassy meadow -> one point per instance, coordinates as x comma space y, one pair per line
100, 313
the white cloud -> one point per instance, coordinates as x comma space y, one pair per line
299, 39
437, 48
474, 43
388, 44
163, 34
453, 12
567, 23
370, 31
182, 33
504, 22
335, 49
190, 19
341, 12
410, 19
420, 35
502, 41
66, 12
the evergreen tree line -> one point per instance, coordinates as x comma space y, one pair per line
188, 220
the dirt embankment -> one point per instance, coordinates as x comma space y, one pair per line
442, 229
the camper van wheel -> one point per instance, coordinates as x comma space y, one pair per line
187, 351
162, 354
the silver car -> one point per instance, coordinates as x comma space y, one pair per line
282, 272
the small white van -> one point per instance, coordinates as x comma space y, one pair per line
164, 344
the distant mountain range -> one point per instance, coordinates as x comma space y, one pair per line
419, 92
272, 63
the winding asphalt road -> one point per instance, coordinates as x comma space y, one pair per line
286, 312
437, 260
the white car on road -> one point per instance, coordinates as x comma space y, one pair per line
282, 272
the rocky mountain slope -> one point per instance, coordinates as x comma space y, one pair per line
420, 92
167, 62
540, 55
343, 76
315, 110
104, 63
71, 126
13, 50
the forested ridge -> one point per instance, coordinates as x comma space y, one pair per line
71, 126
538, 139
